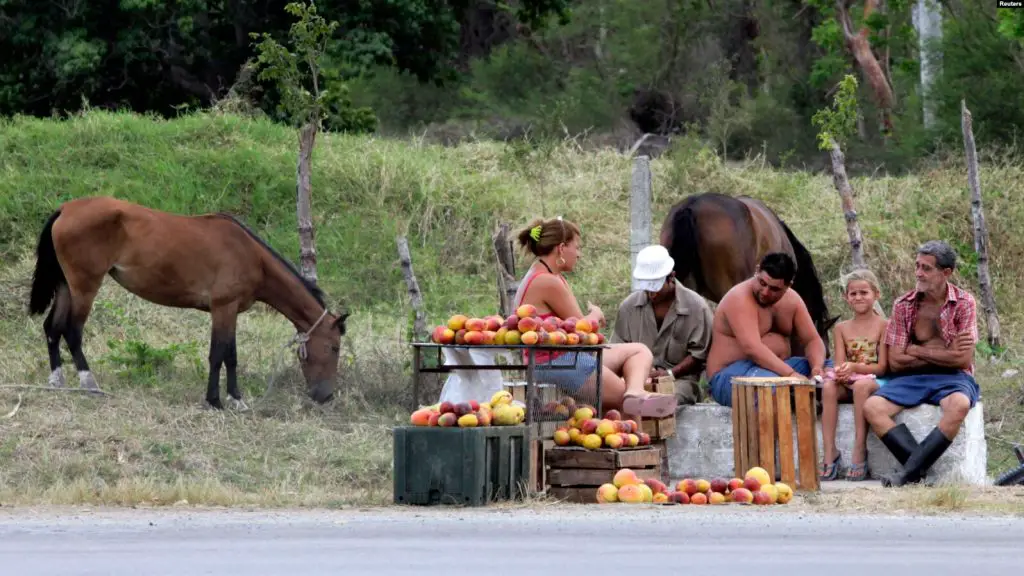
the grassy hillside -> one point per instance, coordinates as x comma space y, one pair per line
152, 441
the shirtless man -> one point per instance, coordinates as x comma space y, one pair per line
930, 339
754, 325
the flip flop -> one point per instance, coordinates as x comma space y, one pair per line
831, 471
650, 405
857, 472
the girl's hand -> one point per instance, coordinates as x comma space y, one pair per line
593, 309
843, 371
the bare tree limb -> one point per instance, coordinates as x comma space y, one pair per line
860, 48
842, 184
980, 229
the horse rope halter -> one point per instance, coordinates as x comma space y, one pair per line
302, 337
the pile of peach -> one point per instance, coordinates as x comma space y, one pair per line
501, 410
755, 488
583, 429
522, 327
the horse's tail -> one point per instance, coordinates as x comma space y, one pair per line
684, 243
808, 285
48, 276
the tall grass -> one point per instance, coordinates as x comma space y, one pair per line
153, 441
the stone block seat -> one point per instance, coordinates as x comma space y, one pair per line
703, 445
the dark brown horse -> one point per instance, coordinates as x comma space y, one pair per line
717, 241
210, 262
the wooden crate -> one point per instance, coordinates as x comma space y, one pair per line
574, 473
661, 385
762, 421
660, 428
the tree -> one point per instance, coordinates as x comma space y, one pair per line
835, 127
297, 74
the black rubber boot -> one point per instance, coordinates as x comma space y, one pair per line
921, 460
900, 442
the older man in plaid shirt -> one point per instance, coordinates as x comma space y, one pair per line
930, 339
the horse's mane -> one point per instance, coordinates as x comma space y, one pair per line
313, 289
807, 283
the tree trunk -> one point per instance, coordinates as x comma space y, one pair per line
842, 185
928, 22
307, 246
860, 48
980, 230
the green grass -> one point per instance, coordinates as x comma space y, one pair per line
152, 440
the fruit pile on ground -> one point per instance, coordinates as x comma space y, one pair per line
755, 488
501, 410
522, 327
583, 429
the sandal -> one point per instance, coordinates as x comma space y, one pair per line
830, 471
650, 405
857, 472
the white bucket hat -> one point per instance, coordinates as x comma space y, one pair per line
653, 265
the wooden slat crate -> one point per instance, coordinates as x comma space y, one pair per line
762, 421
660, 428
574, 473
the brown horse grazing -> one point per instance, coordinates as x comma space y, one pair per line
210, 262
717, 241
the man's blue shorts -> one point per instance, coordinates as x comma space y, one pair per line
910, 390
720, 384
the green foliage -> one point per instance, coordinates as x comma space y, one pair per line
297, 72
1011, 23
980, 63
838, 123
163, 55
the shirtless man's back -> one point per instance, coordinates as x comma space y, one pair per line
754, 326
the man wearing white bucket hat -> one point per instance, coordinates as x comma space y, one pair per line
670, 319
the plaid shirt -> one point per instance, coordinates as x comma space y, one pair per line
958, 314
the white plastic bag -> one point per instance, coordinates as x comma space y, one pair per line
466, 385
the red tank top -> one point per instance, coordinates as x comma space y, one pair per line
540, 356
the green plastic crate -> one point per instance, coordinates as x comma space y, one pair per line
466, 466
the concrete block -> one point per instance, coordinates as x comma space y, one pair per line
965, 462
703, 444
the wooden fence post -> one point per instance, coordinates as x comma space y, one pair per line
988, 298
506, 267
639, 208
419, 327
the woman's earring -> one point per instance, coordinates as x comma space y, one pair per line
561, 261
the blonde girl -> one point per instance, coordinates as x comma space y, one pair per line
860, 359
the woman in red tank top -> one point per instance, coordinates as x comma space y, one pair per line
556, 245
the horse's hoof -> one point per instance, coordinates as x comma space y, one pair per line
57, 379
87, 381
215, 403
239, 404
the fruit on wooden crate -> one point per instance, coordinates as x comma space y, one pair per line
583, 429
698, 491
501, 410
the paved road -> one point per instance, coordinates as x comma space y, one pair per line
577, 540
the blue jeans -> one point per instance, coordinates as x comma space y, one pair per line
721, 383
